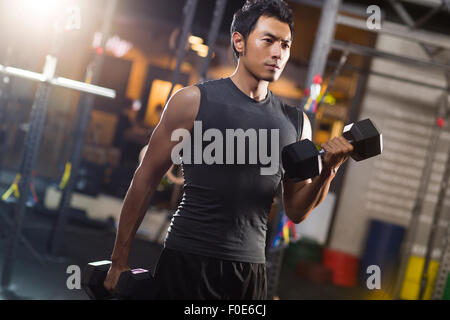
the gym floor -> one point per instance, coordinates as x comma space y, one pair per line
34, 281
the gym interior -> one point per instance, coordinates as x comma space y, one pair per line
83, 86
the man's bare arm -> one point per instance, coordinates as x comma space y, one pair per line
300, 198
180, 112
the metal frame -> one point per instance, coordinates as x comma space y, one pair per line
398, 30
189, 13
353, 9
5, 85
409, 21
426, 3
418, 205
84, 109
33, 138
370, 52
436, 215
58, 81
421, 21
389, 76
219, 10
444, 267
29, 158
325, 33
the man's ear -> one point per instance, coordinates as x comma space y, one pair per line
239, 42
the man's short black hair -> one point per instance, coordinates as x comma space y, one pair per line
244, 20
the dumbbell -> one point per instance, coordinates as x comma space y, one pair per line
136, 284
132, 284
301, 159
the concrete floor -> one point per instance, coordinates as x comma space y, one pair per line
34, 281
47, 281
93, 241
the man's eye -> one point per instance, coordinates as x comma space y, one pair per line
268, 40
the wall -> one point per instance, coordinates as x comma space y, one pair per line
385, 187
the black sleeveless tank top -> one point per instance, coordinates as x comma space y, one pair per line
225, 205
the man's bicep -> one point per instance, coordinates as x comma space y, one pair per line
157, 158
290, 187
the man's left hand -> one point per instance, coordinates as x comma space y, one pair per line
337, 151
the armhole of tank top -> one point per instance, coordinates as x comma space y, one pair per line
203, 99
300, 121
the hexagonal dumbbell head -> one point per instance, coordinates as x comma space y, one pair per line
366, 139
301, 160
92, 280
135, 284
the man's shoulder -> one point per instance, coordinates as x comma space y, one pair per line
191, 93
292, 112
183, 105
213, 90
211, 82
285, 106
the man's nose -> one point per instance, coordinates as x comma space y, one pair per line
276, 50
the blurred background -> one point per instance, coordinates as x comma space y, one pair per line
68, 150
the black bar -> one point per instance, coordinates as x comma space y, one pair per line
388, 76
82, 123
212, 36
427, 16
324, 36
5, 88
28, 161
366, 51
437, 213
418, 205
189, 13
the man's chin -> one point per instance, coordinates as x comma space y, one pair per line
270, 77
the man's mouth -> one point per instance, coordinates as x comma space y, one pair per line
273, 66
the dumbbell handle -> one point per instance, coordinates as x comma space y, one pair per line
322, 151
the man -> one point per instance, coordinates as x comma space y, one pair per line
215, 246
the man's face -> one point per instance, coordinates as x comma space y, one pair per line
267, 49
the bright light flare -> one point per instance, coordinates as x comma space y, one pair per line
36, 13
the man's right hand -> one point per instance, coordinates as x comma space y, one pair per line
113, 277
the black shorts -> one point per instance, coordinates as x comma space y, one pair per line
185, 276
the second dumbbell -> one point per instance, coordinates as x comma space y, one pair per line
132, 284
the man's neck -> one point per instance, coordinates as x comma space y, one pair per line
247, 83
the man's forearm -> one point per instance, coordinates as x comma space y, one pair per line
302, 202
133, 211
